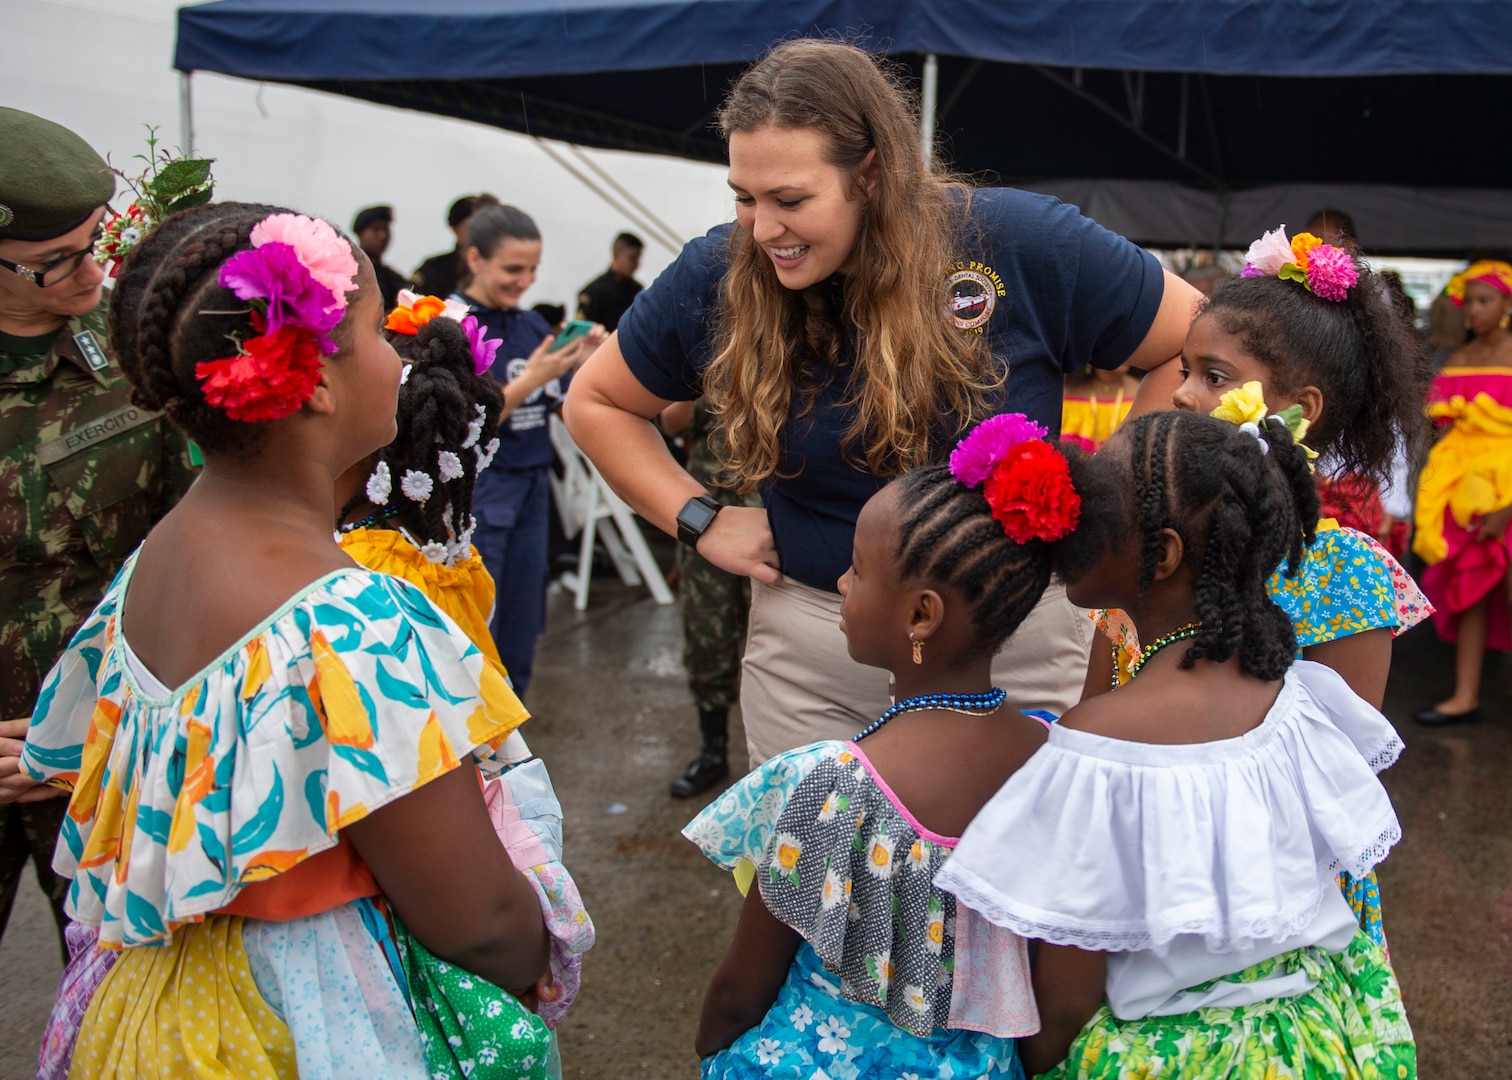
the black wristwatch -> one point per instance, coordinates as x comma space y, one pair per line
695, 517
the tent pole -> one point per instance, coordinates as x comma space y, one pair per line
186, 112
927, 112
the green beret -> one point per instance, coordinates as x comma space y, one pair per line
50, 179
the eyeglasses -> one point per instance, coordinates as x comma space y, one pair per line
54, 271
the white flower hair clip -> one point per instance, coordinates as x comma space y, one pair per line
450, 466
417, 485
379, 485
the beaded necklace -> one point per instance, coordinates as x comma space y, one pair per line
983, 704
372, 519
1181, 633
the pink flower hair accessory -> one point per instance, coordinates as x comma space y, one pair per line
321, 249
484, 349
975, 456
1322, 269
295, 278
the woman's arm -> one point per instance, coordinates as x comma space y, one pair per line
1159, 354
1068, 988
441, 866
748, 978
609, 414
1362, 660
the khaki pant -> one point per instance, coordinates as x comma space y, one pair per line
799, 685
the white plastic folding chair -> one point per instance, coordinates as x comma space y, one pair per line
584, 499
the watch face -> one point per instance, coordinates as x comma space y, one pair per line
697, 515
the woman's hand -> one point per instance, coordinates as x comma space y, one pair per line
739, 540
15, 785
1487, 527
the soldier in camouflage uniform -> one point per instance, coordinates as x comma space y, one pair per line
714, 609
84, 473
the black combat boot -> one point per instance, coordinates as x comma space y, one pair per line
710, 767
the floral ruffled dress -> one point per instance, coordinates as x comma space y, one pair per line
204, 840
888, 980
1206, 872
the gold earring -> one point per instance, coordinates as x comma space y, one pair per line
918, 652
1505, 320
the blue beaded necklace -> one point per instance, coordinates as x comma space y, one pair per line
371, 520
974, 704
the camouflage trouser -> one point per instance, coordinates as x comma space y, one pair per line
714, 609
30, 831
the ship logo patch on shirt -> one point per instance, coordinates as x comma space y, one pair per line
971, 295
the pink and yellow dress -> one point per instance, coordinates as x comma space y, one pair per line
1468, 475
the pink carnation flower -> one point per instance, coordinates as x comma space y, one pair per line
1331, 272
321, 249
975, 456
484, 348
1267, 255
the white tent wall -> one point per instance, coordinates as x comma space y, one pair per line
104, 67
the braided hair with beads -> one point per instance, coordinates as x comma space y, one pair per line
447, 415
1242, 503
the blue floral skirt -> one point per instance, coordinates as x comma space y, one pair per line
810, 1027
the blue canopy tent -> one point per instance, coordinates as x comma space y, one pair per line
1176, 122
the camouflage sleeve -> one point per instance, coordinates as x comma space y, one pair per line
179, 468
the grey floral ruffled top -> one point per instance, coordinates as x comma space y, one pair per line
840, 860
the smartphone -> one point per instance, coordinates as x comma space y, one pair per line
570, 333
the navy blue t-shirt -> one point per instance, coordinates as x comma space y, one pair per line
1051, 290
524, 439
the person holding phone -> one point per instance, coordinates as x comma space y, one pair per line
512, 499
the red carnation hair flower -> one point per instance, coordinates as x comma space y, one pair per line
274, 375
1031, 493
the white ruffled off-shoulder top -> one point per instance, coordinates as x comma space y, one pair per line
1190, 862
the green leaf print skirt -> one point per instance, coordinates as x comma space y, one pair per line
1350, 1026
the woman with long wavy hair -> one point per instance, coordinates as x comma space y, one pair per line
862, 312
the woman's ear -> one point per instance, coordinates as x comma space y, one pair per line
1311, 400
474, 260
1172, 550
869, 173
927, 616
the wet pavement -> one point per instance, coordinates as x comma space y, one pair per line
614, 723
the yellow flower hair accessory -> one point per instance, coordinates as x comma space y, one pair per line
1245, 407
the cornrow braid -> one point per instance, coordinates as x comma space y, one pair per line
947, 535
1241, 509
169, 313
438, 404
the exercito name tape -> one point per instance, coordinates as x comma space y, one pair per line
96, 430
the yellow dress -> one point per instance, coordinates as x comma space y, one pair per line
1092, 419
464, 591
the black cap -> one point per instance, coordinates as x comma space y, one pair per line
461, 210
51, 180
367, 217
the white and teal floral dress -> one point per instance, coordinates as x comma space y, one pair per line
888, 982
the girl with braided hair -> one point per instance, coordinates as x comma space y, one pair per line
846, 957
407, 509
1187, 825
259, 735
409, 513
1310, 330
1312, 326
